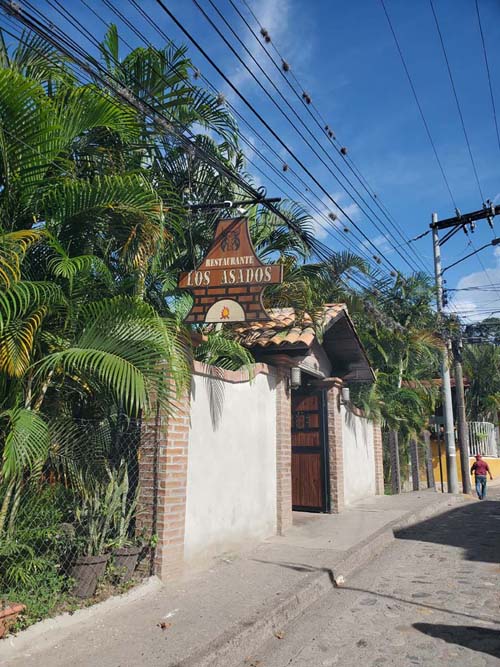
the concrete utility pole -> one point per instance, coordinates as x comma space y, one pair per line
451, 454
463, 432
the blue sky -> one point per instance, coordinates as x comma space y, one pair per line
343, 53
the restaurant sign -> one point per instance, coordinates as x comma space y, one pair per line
228, 284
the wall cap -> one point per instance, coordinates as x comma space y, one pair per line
241, 375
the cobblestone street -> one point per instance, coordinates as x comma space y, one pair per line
432, 598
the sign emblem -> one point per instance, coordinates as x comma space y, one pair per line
228, 284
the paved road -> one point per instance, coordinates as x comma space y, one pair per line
432, 598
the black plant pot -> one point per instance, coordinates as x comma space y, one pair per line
86, 572
125, 559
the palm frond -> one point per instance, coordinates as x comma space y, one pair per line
26, 441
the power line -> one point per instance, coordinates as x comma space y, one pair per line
322, 252
84, 32
285, 72
267, 126
484, 268
296, 115
61, 43
421, 111
132, 27
485, 53
456, 100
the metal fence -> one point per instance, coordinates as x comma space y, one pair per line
69, 526
483, 439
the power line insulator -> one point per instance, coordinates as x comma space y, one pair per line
221, 99
343, 150
394, 274
377, 259
346, 229
332, 216
266, 35
285, 166
285, 66
196, 74
329, 132
306, 97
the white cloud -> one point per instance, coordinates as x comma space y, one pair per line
273, 16
475, 304
382, 243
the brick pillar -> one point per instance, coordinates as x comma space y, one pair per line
379, 459
163, 461
335, 448
283, 450
147, 478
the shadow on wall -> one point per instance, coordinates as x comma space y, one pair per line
215, 389
470, 636
351, 423
475, 528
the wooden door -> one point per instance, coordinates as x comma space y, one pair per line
309, 479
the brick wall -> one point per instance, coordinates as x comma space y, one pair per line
163, 460
283, 451
335, 448
248, 296
379, 459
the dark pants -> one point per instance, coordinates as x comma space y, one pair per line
481, 486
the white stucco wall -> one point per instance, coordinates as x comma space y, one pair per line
359, 457
231, 486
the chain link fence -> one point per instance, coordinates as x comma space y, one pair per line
72, 531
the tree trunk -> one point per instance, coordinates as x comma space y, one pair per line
395, 467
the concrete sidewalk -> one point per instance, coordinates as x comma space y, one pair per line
221, 616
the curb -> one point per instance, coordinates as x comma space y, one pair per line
245, 637
13, 644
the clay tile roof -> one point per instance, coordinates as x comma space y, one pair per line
283, 329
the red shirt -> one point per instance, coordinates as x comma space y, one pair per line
480, 467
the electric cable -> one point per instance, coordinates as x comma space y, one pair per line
267, 126
459, 109
299, 118
78, 26
34, 25
485, 53
135, 30
419, 106
323, 126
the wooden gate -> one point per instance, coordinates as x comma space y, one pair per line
309, 453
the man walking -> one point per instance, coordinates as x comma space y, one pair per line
480, 468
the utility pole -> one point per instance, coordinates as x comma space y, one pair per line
463, 433
451, 454
460, 221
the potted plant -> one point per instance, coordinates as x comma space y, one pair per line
9, 611
126, 548
93, 521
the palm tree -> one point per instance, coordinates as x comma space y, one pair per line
403, 346
482, 369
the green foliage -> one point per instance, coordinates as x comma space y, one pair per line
37, 543
482, 369
404, 348
104, 512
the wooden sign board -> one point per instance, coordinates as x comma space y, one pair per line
228, 284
